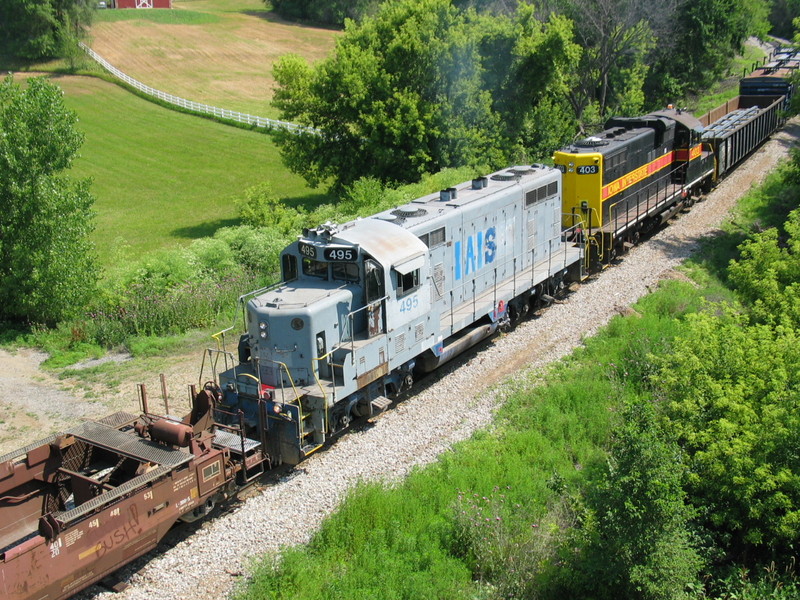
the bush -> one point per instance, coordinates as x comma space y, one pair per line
257, 250
638, 543
260, 207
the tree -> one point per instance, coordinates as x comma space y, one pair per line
35, 29
639, 542
731, 391
331, 12
617, 36
781, 17
420, 87
47, 263
708, 35
767, 275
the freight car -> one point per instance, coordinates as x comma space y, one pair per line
774, 77
365, 306
638, 172
77, 506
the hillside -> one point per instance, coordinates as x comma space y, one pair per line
218, 52
161, 177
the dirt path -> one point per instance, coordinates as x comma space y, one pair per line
35, 402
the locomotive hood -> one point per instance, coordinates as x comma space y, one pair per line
294, 295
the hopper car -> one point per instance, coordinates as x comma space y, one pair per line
363, 309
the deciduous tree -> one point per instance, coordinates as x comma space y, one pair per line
35, 29
731, 392
47, 265
639, 544
420, 87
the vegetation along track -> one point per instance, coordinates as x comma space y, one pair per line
206, 565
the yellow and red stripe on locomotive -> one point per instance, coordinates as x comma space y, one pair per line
631, 176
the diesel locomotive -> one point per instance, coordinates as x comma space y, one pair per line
365, 306
362, 308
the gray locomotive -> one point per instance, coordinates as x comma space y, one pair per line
366, 305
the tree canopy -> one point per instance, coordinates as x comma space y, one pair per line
35, 29
420, 87
47, 265
426, 84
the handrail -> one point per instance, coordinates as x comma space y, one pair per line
208, 352
319, 383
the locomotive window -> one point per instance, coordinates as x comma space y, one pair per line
315, 268
407, 282
424, 239
552, 188
541, 193
374, 281
437, 237
345, 271
289, 267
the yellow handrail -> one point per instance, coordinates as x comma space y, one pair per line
321, 389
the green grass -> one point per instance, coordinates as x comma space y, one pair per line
161, 177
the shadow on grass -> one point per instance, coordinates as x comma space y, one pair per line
273, 17
10, 63
207, 229
309, 201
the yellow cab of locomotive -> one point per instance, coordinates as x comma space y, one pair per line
581, 187
630, 177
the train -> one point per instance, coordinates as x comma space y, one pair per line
363, 308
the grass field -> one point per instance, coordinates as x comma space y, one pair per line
219, 52
163, 177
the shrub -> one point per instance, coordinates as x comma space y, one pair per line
260, 207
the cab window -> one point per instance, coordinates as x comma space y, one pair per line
374, 281
289, 267
345, 271
315, 268
407, 282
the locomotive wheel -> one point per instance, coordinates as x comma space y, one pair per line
408, 381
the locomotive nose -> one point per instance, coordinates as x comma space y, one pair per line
291, 338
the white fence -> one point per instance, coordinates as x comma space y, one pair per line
222, 113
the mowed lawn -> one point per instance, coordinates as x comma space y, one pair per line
218, 52
161, 177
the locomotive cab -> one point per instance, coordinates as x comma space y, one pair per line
337, 336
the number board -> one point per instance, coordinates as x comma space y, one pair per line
307, 250
349, 254
588, 170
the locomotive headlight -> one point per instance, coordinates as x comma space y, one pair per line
262, 333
